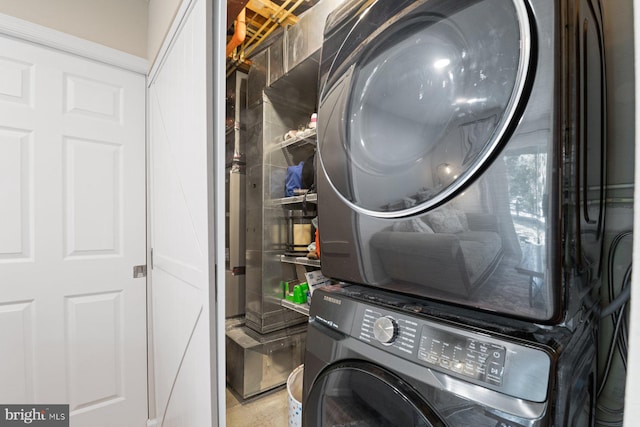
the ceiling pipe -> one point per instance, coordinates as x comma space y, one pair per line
240, 32
234, 7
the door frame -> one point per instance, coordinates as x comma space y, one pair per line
216, 69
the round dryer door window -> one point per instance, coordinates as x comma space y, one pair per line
359, 393
432, 97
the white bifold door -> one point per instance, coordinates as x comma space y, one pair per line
72, 228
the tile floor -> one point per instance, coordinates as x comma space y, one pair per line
268, 410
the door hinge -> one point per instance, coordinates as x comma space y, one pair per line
139, 271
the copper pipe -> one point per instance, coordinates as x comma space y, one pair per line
240, 32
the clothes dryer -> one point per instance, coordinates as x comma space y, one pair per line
375, 358
462, 152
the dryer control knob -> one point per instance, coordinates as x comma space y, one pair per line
385, 330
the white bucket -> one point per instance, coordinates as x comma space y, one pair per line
294, 390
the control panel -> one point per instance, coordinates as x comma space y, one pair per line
481, 358
468, 356
385, 329
393, 331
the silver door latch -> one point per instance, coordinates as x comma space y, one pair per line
139, 271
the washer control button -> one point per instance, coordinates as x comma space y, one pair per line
385, 330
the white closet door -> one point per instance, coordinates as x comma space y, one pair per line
180, 229
72, 226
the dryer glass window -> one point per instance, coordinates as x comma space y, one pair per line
431, 101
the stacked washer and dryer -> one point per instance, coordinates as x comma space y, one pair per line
461, 209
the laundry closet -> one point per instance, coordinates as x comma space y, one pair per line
426, 199
415, 130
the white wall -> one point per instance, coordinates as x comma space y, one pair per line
161, 14
119, 24
137, 27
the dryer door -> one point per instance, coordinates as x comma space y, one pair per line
359, 393
417, 99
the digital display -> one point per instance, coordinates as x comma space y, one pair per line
467, 356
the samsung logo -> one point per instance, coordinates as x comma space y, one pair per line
332, 300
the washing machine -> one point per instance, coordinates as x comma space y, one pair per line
462, 152
376, 358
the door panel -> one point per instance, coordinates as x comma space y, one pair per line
179, 228
93, 195
72, 158
16, 331
16, 229
97, 365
